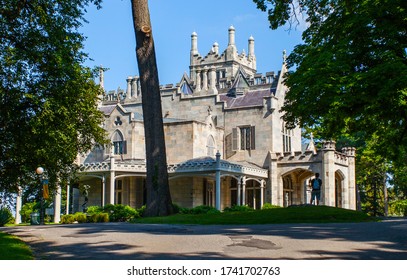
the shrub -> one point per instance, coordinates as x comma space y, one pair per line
67, 219
102, 218
99, 218
120, 213
269, 206
238, 208
5, 216
94, 210
180, 210
80, 217
26, 211
141, 210
203, 209
399, 207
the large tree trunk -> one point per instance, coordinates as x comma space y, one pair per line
158, 194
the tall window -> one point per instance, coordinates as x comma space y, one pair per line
244, 138
119, 192
210, 146
287, 134
119, 145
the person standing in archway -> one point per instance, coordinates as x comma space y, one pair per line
316, 185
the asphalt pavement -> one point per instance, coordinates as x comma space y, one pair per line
384, 240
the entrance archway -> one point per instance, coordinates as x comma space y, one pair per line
339, 199
295, 187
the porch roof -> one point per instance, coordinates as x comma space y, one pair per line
201, 165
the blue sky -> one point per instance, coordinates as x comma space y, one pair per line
111, 42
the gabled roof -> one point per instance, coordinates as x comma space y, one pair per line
185, 85
240, 84
253, 98
108, 109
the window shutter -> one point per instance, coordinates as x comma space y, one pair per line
252, 138
234, 139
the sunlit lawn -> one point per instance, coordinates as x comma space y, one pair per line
12, 248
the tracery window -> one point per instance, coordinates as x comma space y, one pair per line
244, 138
287, 135
119, 145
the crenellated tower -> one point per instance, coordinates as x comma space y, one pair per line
216, 71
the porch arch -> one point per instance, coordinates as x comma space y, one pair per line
340, 193
295, 186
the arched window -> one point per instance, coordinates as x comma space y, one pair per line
210, 146
119, 145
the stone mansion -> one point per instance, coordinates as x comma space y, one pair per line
225, 141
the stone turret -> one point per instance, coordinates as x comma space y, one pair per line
194, 46
251, 57
231, 50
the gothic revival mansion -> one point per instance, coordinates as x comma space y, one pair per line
225, 138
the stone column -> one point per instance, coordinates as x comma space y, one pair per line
244, 190
212, 80
112, 180
128, 88
192, 74
18, 206
134, 87
328, 174
57, 203
351, 180
254, 198
198, 80
239, 191
68, 193
217, 181
262, 193
103, 190
205, 78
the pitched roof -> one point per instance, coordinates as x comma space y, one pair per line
253, 98
108, 109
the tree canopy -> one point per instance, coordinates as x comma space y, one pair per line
48, 98
349, 74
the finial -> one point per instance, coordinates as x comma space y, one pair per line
101, 77
284, 56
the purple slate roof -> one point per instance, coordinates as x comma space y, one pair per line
107, 110
250, 99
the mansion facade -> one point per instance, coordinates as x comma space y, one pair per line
225, 139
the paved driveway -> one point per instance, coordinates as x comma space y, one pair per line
124, 241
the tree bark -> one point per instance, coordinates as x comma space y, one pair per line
158, 194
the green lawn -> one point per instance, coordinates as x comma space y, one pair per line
12, 248
307, 214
